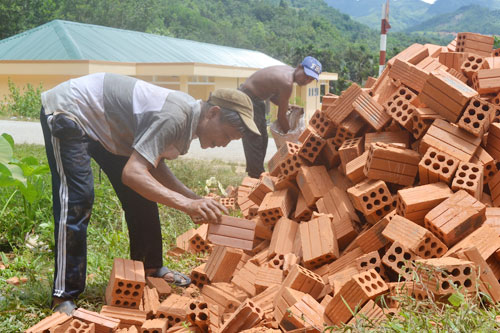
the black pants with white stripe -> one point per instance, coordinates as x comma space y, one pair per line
69, 152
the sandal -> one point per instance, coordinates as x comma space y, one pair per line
180, 279
67, 307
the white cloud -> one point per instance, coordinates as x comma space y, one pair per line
429, 1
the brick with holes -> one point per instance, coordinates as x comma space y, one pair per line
456, 217
283, 237
472, 64
260, 189
369, 261
173, 309
399, 258
354, 169
451, 139
276, 205
475, 43
154, 326
485, 239
488, 283
371, 111
199, 276
126, 283
194, 240
286, 151
392, 164
446, 95
150, 302
487, 161
322, 124
381, 212
486, 81
302, 279
267, 277
198, 314
290, 167
453, 60
369, 195
229, 203
234, 232
349, 150
493, 146
441, 275
422, 119
294, 309
349, 128
329, 155
319, 242
343, 107
457, 74
373, 239
477, 117
246, 316
102, 323
408, 74
77, 326
328, 100
222, 299
311, 147
400, 138
245, 278
413, 54
313, 183
356, 292
469, 177
415, 202
222, 263
494, 186
400, 107
437, 166
302, 211
124, 315
55, 320
415, 237
373, 313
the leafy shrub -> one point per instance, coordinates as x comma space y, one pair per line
25, 103
23, 194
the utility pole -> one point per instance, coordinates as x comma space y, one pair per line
383, 36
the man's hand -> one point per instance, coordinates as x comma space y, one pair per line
206, 210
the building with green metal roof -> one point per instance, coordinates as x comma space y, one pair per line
60, 50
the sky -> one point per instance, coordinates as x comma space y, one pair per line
429, 1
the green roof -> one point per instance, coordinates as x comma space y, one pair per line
64, 40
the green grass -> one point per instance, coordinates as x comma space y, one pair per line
24, 305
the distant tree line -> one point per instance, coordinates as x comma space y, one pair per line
285, 29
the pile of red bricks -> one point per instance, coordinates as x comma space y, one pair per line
391, 181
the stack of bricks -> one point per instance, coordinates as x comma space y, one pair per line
391, 181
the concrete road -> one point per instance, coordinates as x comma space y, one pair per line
31, 133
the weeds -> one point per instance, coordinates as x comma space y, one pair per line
24, 305
24, 103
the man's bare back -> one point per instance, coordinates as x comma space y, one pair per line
270, 82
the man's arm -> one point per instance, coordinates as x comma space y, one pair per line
166, 177
138, 174
282, 109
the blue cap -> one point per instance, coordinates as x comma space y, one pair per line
312, 67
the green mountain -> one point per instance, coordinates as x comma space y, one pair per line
448, 6
403, 13
469, 18
285, 29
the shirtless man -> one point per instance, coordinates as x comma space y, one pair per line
274, 83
